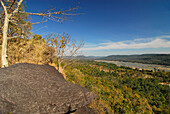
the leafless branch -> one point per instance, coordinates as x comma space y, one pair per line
15, 37
13, 22
50, 14
39, 22
4, 7
40, 28
12, 4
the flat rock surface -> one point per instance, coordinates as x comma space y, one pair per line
39, 89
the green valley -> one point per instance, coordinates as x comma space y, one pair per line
122, 89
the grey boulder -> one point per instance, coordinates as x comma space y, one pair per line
39, 89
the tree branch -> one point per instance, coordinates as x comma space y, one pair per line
40, 22
54, 15
4, 7
16, 10
12, 4
13, 22
15, 37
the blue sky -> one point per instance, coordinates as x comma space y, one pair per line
111, 27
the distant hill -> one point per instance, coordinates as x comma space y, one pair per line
161, 59
82, 57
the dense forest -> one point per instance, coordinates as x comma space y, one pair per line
161, 59
122, 89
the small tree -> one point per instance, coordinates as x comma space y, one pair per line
65, 47
32, 50
12, 10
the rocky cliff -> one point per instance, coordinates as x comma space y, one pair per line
40, 89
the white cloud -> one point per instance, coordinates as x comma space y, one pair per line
140, 43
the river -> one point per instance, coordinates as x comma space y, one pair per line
138, 65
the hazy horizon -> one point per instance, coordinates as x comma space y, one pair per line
124, 54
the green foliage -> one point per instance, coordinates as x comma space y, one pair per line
37, 37
121, 89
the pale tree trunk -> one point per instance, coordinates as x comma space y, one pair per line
4, 43
58, 64
4, 60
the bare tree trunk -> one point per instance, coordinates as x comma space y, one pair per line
59, 64
4, 43
5, 32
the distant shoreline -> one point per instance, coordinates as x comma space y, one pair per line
140, 66
158, 59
